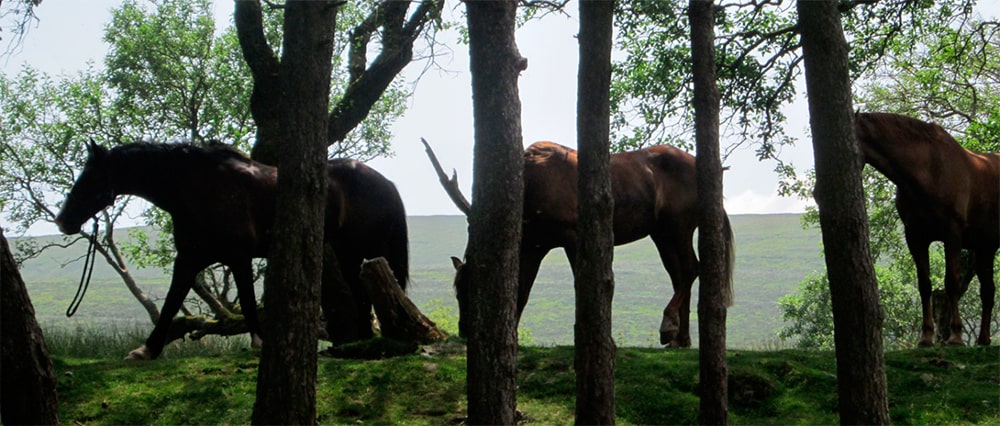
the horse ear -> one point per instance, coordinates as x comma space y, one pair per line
93, 149
457, 263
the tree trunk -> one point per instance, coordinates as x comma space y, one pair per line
265, 99
27, 379
399, 317
594, 358
286, 381
714, 264
857, 320
495, 218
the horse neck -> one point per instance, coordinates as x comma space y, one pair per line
895, 158
147, 176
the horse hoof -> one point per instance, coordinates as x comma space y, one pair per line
256, 342
140, 354
955, 342
925, 344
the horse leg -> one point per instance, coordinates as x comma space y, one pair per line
953, 288
243, 275
918, 251
987, 293
530, 261
682, 266
181, 282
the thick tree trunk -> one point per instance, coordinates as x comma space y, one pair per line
595, 283
712, 234
857, 320
286, 383
27, 379
491, 268
399, 317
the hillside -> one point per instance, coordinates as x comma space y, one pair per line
773, 255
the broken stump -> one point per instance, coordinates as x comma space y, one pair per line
399, 317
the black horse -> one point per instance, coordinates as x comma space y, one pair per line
222, 205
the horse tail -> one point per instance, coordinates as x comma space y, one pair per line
397, 243
728, 295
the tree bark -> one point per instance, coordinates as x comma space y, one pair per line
491, 268
286, 381
857, 319
27, 379
594, 358
714, 264
399, 317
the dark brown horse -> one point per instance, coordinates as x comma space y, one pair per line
222, 205
943, 193
655, 194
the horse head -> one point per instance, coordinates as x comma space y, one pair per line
92, 191
462, 294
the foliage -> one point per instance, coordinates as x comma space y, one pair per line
809, 313
654, 386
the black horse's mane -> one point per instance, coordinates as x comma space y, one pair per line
213, 152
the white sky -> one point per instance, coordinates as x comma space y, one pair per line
69, 33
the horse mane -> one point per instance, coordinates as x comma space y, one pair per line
889, 126
212, 153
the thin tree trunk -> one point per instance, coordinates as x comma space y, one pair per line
27, 379
495, 218
857, 319
712, 236
595, 283
286, 381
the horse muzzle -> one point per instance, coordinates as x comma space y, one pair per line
67, 228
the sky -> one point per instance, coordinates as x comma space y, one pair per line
68, 34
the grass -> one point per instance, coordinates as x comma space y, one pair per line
213, 382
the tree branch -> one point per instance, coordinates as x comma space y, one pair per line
397, 50
450, 185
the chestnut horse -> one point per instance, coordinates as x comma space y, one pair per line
655, 193
945, 193
222, 205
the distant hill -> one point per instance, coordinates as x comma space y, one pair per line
773, 255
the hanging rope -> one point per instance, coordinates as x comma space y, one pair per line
88, 270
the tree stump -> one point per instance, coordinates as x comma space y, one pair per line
399, 317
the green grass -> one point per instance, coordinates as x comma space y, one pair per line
214, 383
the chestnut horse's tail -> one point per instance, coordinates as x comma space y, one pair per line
728, 296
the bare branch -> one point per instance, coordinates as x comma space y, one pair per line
450, 185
